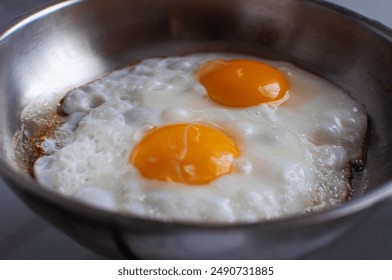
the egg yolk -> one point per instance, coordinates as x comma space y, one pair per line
186, 153
242, 82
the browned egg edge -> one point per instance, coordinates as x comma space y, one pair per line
28, 149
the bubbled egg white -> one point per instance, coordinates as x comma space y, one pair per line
294, 157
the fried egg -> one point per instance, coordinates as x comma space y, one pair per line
208, 137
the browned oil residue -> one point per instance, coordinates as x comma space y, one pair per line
40, 134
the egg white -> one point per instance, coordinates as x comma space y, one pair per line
294, 157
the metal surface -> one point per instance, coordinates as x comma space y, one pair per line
70, 44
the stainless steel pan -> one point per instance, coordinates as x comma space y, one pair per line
73, 42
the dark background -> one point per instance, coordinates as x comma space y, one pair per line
24, 235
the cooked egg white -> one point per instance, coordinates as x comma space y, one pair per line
286, 155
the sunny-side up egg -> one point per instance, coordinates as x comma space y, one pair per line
208, 138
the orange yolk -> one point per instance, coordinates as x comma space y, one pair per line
242, 83
186, 153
